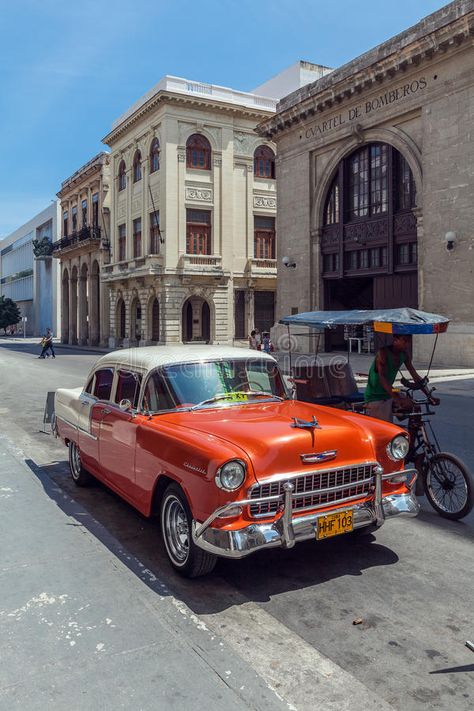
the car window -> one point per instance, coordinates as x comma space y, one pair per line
192, 383
128, 387
157, 396
103, 383
88, 388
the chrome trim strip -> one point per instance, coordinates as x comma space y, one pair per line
67, 422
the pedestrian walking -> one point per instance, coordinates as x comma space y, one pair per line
47, 343
253, 340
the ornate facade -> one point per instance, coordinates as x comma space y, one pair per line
83, 251
375, 182
193, 206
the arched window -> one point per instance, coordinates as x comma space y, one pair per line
137, 167
122, 176
369, 226
331, 210
154, 155
264, 162
198, 152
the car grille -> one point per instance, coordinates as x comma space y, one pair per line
316, 490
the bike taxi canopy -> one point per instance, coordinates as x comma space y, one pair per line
398, 321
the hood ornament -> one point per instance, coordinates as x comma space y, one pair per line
315, 457
305, 424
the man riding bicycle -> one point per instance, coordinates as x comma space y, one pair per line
380, 398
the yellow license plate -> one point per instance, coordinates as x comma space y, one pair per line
334, 524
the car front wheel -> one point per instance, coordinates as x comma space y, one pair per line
176, 520
79, 475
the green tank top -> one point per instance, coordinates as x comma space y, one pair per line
374, 389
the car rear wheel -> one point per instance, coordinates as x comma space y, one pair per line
80, 476
176, 521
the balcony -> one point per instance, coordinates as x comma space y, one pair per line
134, 267
262, 267
200, 265
85, 237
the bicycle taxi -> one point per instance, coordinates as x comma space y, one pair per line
447, 482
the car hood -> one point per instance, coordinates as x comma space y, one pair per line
267, 434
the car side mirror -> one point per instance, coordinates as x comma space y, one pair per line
125, 405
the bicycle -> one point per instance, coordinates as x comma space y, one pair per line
447, 482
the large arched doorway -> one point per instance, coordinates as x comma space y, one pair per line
196, 320
65, 307
369, 234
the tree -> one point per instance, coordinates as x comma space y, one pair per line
9, 313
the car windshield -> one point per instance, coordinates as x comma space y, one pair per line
213, 384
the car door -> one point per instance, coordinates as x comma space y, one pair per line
91, 404
118, 434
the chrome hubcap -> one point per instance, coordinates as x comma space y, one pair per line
176, 530
75, 461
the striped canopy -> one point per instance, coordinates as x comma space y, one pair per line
397, 321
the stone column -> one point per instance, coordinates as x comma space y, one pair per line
250, 299
94, 309
65, 283
73, 311
82, 309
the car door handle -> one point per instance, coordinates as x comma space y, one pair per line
106, 411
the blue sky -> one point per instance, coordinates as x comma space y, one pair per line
68, 69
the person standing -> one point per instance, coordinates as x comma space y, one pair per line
253, 340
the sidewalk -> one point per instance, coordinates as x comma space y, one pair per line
82, 627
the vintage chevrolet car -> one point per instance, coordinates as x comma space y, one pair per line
209, 438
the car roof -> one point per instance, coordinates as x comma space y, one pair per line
151, 357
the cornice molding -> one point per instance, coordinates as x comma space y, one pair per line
165, 97
441, 42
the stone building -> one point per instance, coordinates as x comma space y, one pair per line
33, 281
83, 250
376, 182
193, 206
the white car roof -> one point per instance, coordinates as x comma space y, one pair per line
151, 357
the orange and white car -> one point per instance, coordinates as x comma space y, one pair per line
208, 438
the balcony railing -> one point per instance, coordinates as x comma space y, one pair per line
196, 263
87, 233
262, 266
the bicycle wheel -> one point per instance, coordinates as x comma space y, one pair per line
449, 486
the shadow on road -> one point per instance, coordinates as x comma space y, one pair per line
35, 350
135, 540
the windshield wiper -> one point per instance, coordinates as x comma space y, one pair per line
226, 396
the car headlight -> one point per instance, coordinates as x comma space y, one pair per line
398, 448
231, 475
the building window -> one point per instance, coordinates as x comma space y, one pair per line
122, 243
407, 254
198, 232
65, 223
74, 219
264, 237
122, 176
95, 209
406, 185
154, 155
331, 263
137, 238
155, 232
137, 167
198, 152
331, 211
84, 212
264, 162
368, 181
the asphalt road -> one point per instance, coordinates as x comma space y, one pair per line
412, 583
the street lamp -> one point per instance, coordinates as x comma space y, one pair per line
288, 262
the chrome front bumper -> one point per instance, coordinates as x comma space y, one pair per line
285, 530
